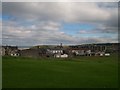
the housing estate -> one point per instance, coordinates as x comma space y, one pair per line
61, 51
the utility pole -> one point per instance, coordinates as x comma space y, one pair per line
60, 48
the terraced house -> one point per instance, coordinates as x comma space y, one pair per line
10, 50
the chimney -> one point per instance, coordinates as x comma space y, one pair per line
60, 44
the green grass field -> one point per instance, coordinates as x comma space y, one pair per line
80, 72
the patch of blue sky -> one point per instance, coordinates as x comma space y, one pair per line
17, 20
6, 17
74, 28
0, 17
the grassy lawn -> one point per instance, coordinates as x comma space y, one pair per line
80, 72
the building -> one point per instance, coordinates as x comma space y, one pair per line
15, 53
2, 51
55, 51
10, 50
29, 53
61, 55
33, 52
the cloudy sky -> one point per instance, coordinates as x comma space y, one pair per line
28, 23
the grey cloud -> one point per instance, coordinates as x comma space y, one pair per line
69, 12
108, 4
44, 22
56, 11
97, 40
105, 29
13, 33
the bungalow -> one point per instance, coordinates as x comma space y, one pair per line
107, 54
61, 55
88, 53
82, 52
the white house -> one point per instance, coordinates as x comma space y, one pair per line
107, 54
60, 56
88, 52
79, 52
